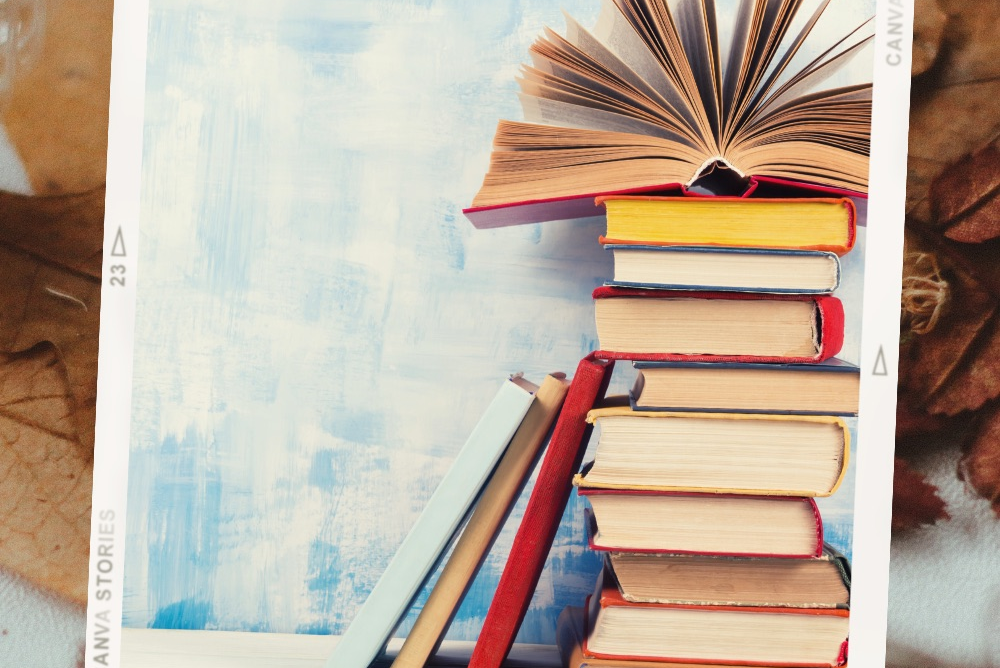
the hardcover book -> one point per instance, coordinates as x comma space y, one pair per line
750, 636
571, 634
719, 524
724, 269
425, 544
695, 579
782, 455
800, 223
641, 324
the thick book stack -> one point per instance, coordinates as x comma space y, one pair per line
701, 488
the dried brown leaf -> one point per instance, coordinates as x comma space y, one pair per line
50, 264
45, 475
57, 117
980, 467
928, 28
966, 198
955, 106
915, 501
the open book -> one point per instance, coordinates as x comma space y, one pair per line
661, 93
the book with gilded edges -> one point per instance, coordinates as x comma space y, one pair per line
802, 224
700, 579
736, 453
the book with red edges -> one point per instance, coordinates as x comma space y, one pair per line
731, 525
542, 515
668, 325
726, 635
585, 205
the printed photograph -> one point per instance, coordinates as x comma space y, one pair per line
320, 328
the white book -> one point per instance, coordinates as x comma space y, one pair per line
430, 536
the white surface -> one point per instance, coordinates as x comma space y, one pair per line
944, 581
880, 332
37, 630
157, 648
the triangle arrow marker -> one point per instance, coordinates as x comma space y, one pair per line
880, 368
118, 247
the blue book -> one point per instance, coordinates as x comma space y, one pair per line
434, 530
712, 268
828, 388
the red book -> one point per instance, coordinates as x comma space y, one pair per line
584, 206
542, 515
681, 325
712, 634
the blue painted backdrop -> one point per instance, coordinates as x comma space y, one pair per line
318, 327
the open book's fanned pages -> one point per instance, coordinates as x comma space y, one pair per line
827, 328
541, 517
427, 541
646, 101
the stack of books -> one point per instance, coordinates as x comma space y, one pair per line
702, 486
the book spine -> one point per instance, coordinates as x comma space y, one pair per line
429, 538
541, 517
481, 531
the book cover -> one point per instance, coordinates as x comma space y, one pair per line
542, 516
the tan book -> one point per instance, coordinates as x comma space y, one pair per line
570, 636
735, 453
698, 579
831, 388
485, 523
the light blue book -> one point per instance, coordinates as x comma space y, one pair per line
434, 530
